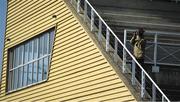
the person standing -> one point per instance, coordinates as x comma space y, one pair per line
138, 43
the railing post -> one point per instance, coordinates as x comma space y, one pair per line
100, 30
142, 84
85, 10
133, 72
92, 19
124, 52
155, 68
107, 39
155, 50
153, 93
116, 50
78, 5
163, 99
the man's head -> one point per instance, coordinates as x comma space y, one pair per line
141, 32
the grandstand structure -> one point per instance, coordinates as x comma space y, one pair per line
79, 51
161, 20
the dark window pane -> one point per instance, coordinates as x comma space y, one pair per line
21, 48
30, 51
12, 86
35, 48
10, 71
26, 53
30, 74
45, 70
15, 78
14, 58
40, 70
25, 75
45, 44
17, 57
35, 72
41, 41
20, 76
11, 60
10, 80
51, 40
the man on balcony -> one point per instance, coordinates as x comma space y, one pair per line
138, 43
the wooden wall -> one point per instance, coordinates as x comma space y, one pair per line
78, 72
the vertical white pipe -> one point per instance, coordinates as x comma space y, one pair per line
107, 39
92, 20
124, 52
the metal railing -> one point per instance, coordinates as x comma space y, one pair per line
157, 41
104, 31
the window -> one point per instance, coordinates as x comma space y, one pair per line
29, 61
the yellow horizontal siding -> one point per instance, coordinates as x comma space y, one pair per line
28, 21
98, 96
22, 8
78, 72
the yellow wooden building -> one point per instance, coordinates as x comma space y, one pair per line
51, 55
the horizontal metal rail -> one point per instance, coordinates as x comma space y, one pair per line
156, 32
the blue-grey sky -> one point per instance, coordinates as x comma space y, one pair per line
3, 5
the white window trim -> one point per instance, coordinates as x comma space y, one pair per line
49, 56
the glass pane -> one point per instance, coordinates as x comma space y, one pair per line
14, 59
25, 75
30, 51
40, 70
26, 53
15, 78
35, 48
17, 57
30, 74
10, 80
51, 40
11, 60
45, 70
35, 72
45, 44
21, 55
12, 86
20, 76
41, 46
